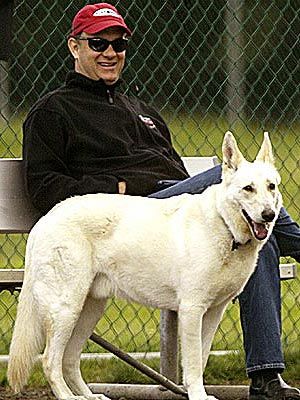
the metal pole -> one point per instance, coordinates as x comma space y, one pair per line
235, 61
4, 92
162, 380
169, 345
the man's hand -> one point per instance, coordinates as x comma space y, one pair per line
122, 187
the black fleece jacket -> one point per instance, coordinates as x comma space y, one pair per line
85, 137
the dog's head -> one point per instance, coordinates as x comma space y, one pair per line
251, 188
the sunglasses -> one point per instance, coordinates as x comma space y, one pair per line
100, 45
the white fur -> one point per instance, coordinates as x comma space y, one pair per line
173, 253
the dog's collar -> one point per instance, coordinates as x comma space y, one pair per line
235, 245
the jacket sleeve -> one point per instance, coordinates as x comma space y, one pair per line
287, 233
47, 177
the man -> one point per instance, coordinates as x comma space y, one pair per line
87, 137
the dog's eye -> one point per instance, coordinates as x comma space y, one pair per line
272, 186
248, 188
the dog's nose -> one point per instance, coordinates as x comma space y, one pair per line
268, 215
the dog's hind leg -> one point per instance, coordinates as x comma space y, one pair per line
64, 307
190, 325
59, 330
90, 315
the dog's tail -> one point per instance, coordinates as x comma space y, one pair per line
27, 340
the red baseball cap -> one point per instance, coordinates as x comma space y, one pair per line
94, 18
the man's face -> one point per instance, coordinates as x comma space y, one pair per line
106, 65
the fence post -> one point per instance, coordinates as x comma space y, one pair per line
4, 92
169, 345
235, 61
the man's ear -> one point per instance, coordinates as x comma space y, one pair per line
232, 157
73, 47
265, 153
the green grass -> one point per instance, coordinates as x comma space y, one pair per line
221, 370
11, 137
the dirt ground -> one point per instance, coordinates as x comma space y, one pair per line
45, 394
39, 394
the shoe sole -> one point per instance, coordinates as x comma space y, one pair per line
259, 397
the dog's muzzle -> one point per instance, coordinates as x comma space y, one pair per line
260, 230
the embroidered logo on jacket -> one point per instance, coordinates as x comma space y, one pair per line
147, 121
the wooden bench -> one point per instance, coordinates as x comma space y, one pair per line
17, 215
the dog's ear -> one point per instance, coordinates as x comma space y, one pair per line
265, 153
232, 157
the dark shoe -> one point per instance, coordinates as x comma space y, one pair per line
275, 389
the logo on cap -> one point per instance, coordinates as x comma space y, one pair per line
106, 12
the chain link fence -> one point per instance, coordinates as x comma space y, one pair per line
208, 67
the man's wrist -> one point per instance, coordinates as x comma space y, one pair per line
122, 187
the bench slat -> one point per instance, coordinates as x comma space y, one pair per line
17, 215
14, 277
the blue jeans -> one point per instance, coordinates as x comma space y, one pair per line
260, 302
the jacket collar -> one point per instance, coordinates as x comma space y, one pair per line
74, 79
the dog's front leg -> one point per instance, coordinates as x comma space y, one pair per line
190, 326
210, 322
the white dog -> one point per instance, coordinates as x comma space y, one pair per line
190, 253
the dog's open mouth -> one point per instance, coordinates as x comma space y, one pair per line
259, 229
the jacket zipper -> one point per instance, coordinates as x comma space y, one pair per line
109, 96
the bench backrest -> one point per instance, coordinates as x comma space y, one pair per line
194, 165
17, 215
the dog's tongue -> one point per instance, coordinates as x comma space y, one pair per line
260, 230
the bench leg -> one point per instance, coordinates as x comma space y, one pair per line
169, 345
